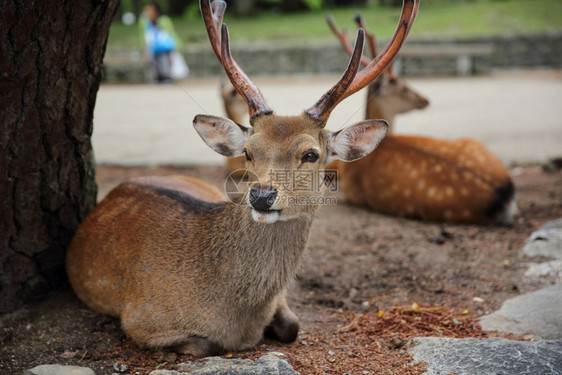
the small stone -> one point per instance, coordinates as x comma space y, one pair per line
478, 299
278, 354
352, 292
396, 342
331, 352
546, 241
59, 370
365, 305
120, 367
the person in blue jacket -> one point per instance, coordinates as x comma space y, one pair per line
159, 39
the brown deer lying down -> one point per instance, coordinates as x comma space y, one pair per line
187, 272
458, 181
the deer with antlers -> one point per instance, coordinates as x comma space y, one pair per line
458, 181
203, 276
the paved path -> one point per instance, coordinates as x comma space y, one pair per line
518, 115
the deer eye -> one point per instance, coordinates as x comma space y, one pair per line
310, 156
248, 157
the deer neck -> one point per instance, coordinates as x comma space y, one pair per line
236, 114
375, 110
264, 258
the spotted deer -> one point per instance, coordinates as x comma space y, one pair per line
204, 276
459, 181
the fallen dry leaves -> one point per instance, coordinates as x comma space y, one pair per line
369, 343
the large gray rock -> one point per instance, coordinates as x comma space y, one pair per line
546, 241
538, 313
552, 269
265, 365
59, 370
488, 357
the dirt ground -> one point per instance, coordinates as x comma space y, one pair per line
368, 284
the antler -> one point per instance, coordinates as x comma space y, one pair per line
382, 60
220, 41
369, 35
322, 109
389, 71
342, 36
373, 67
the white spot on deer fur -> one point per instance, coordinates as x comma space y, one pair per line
431, 191
421, 184
102, 282
449, 191
407, 192
454, 176
414, 173
438, 168
464, 191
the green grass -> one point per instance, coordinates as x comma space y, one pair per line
465, 19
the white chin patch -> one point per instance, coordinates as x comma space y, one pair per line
269, 217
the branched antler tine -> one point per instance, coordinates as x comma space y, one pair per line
389, 52
245, 87
414, 15
373, 43
369, 35
218, 13
210, 19
322, 109
342, 36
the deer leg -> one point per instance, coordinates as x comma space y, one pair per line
182, 342
285, 325
199, 347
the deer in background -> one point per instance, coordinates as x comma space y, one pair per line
203, 276
458, 181
236, 109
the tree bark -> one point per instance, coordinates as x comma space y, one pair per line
50, 70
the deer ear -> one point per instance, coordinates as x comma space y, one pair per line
356, 141
223, 135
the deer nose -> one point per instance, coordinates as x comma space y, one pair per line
262, 198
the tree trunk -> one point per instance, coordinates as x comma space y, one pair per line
50, 70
